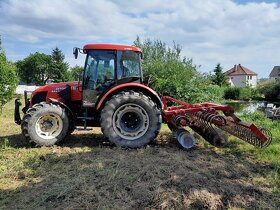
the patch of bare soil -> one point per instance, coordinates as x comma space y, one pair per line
160, 176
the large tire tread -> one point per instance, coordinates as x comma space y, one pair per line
137, 98
28, 116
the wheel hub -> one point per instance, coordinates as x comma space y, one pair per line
130, 121
49, 126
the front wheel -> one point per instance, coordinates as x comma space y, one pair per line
45, 124
130, 119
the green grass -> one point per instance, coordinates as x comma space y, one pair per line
86, 172
270, 154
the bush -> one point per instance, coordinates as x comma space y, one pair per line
272, 92
232, 93
262, 86
249, 93
174, 76
8, 79
238, 93
213, 93
270, 89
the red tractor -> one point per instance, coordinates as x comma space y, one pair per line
113, 96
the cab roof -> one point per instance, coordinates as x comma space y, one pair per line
110, 47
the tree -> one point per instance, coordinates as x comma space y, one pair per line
8, 78
35, 69
270, 89
219, 78
75, 73
58, 67
172, 74
40, 68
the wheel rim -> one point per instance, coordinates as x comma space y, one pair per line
49, 126
130, 121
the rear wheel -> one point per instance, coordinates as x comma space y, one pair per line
45, 124
130, 119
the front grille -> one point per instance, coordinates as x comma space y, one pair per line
39, 97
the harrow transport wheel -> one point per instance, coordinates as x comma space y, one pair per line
45, 124
130, 119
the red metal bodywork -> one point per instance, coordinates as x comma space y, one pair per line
76, 91
125, 87
53, 89
111, 47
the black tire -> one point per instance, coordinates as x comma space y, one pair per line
72, 126
43, 119
130, 119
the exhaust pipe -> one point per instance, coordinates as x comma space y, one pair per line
185, 139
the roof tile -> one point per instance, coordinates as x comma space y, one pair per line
239, 70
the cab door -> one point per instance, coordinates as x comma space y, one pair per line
99, 75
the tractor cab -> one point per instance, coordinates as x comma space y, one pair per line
106, 66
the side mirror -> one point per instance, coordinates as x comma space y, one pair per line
75, 52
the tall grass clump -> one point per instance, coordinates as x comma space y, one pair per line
270, 154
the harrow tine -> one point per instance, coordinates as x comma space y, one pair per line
203, 125
247, 135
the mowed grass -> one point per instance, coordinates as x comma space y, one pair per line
86, 172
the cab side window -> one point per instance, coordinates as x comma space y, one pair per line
98, 76
129, 64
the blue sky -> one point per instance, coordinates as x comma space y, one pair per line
210, 31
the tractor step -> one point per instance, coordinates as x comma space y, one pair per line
85, 118
82, 128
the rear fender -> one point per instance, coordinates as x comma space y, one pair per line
126, 87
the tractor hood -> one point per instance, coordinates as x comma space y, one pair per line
59, 91
57, 87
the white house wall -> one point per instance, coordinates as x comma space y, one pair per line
21, 88
253, 82
238, 80
243, 80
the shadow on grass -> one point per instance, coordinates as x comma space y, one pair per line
81, 139
15, 141
158, 177
74, 140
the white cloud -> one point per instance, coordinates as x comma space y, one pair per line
209, 31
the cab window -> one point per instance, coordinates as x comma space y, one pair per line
98, 76
129, 64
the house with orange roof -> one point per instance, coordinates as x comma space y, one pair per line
241, 76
